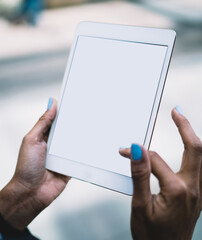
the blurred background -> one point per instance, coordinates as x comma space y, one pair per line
35, 39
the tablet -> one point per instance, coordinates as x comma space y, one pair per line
110, 97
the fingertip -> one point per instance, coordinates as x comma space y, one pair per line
124, 151
51, 108
50, 103
121, 150
176, 116
178, 110
179, 119
136, 152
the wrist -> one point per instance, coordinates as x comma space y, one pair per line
17, 205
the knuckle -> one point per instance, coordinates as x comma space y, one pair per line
183, 123
183, 192
194, 196
197, 146
42, 118
179, 190
46, 118
26, 138
138, 206
140, 174
43, 146
29, 139
153, 154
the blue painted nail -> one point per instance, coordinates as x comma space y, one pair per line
123, 147
178, 109
136, 152
50, 103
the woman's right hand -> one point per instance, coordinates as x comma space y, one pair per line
171, 214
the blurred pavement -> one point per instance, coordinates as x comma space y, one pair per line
32, 63
57, 27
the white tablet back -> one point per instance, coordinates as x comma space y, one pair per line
107, 101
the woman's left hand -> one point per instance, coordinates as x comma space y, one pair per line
32, 187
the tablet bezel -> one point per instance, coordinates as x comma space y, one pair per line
104, 178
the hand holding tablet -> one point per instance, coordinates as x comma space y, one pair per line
110, 97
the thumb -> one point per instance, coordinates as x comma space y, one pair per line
140, 170
42, 127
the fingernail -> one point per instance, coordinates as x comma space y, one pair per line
50, 103
123, 147
136, 152
178, 109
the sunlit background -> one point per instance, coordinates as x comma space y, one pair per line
34, 45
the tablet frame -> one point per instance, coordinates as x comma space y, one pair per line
104, 178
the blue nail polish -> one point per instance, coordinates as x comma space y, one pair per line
178, 109
136, 152
50, 103
123, 147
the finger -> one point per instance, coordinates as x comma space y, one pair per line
161, 170
140, 170
187, 133
64, 178
192, 158
39, 131
125, 152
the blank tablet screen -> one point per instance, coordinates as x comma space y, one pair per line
107, 101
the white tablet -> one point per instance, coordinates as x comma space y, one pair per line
110, 97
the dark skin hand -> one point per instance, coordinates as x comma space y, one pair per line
32, 187
171, 214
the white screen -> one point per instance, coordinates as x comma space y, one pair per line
107, 101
